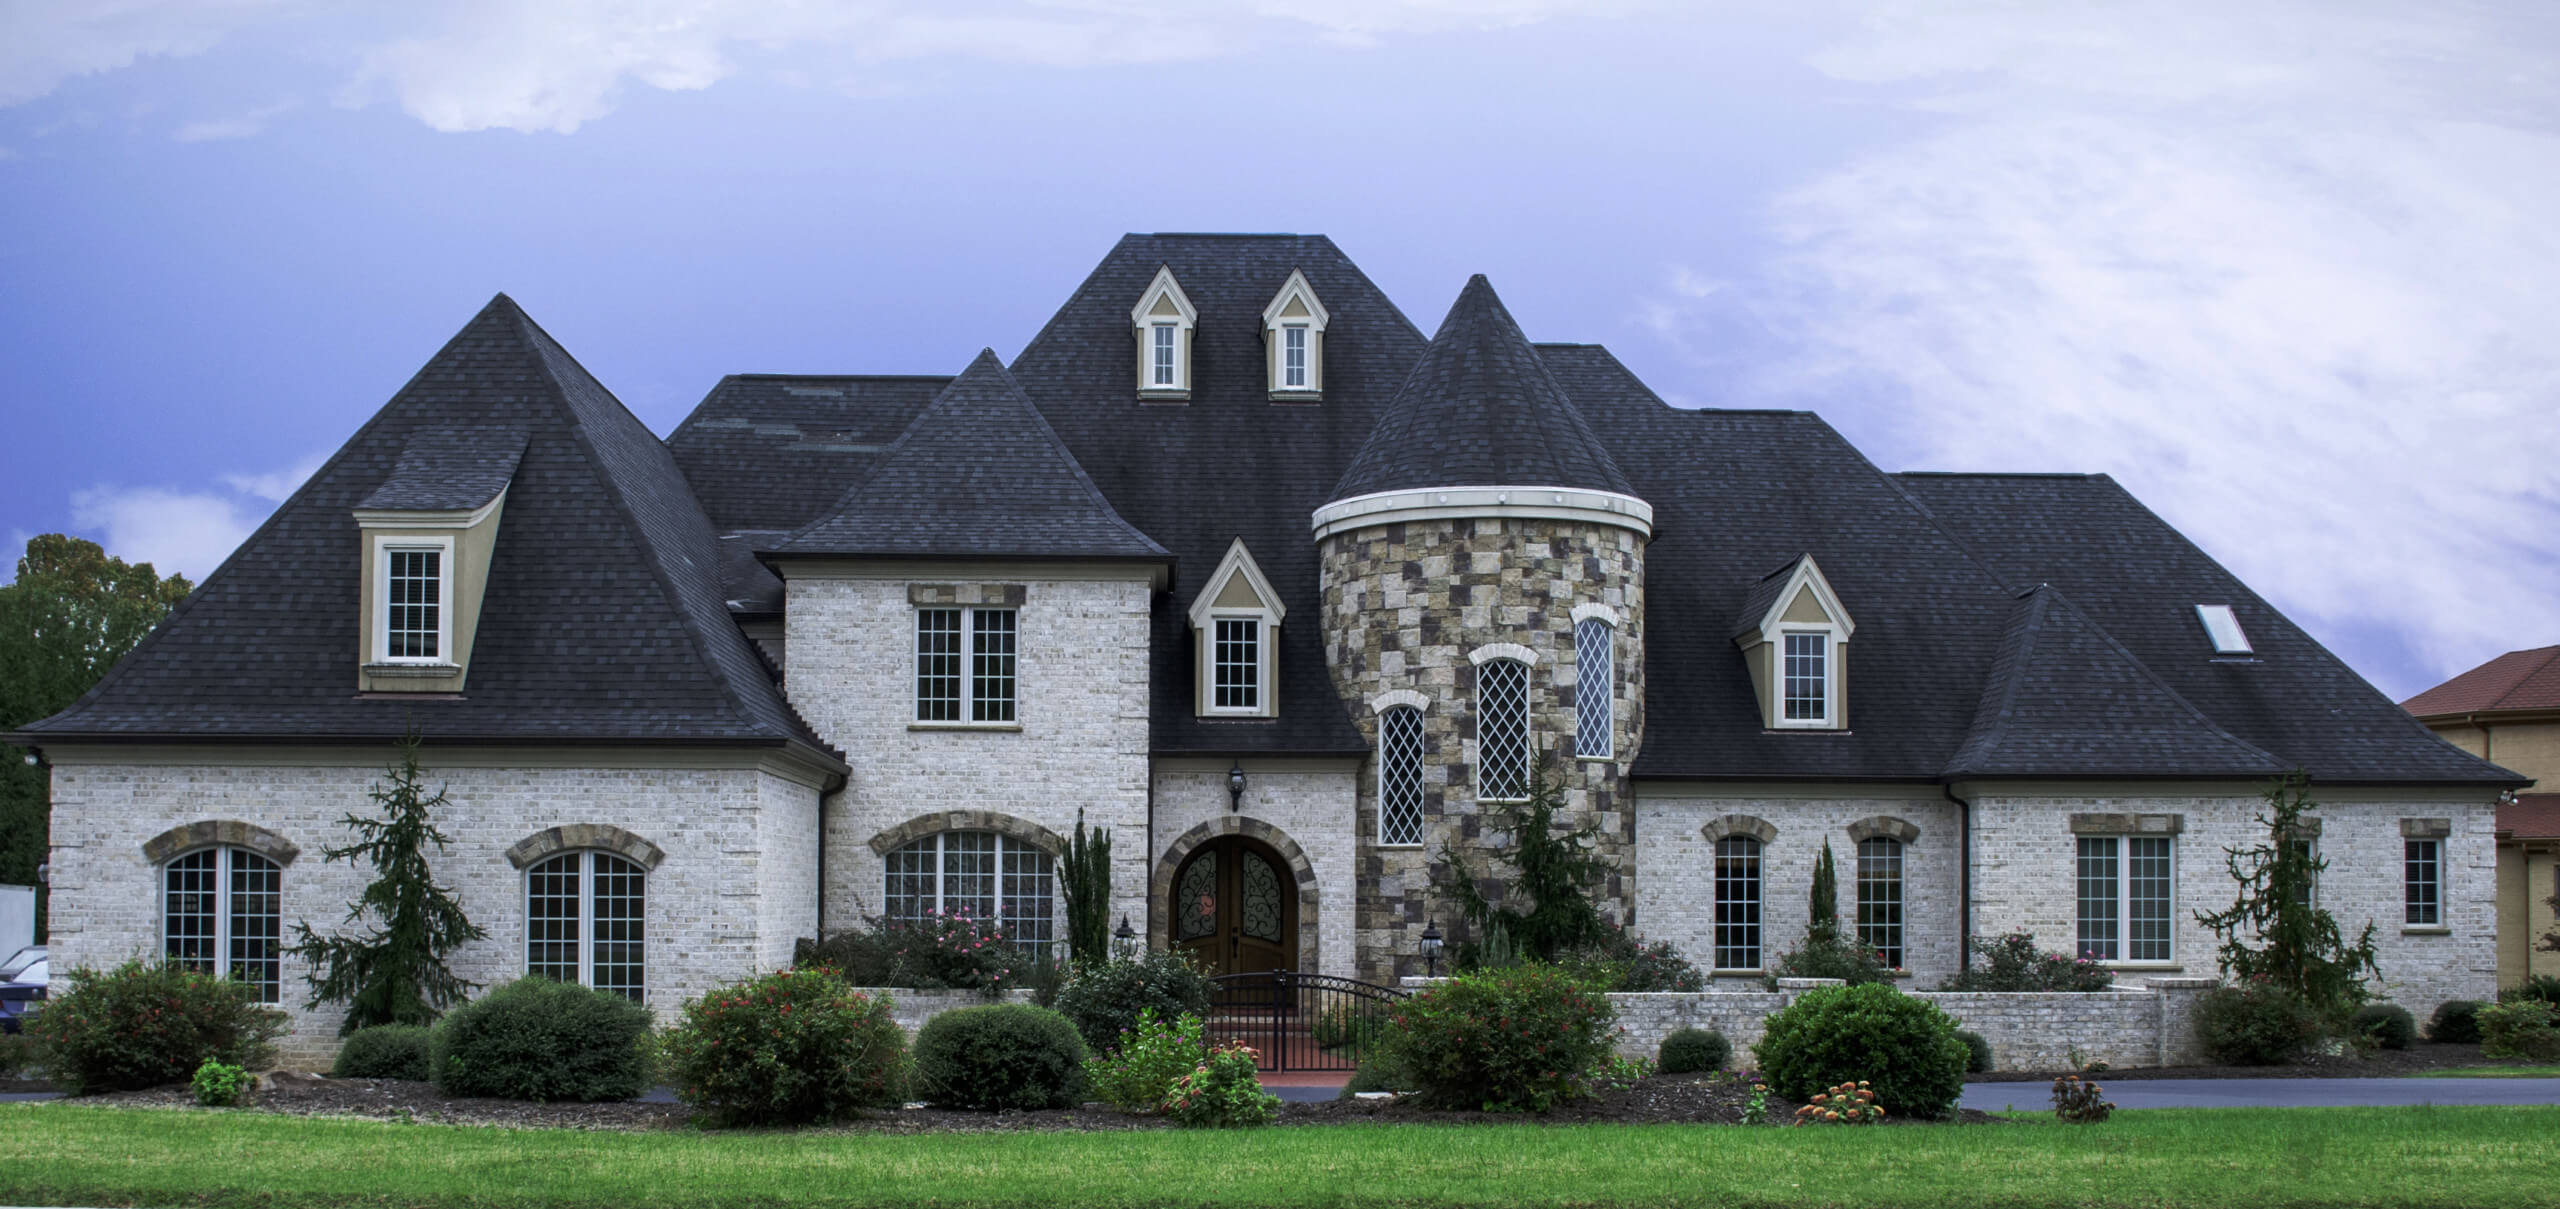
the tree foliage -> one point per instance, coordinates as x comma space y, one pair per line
1826, 891
2275, 933
1544, 910
393, 972
1085, 881
71, 613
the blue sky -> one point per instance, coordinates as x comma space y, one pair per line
2286, 270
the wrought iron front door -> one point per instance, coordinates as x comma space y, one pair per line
1235, 908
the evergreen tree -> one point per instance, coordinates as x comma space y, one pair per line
1826, 892
395, 972
2297, 946
1555, 871
1085, 882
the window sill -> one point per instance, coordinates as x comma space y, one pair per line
1297, 396
1737, 973
1595, 759
1399, 847
1164, 396
2146, 967
2426, 930
986, 726
1501, 801
414, 671
1806, 729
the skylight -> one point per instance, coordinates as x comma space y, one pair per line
2223, 629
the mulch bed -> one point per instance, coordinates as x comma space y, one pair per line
2382, 1063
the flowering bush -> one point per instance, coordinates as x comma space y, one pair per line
1222, 1092
219, 1084
1900, 1046
1507, 1040
955, 951
2013, 963
144, 1024
2079, 1102
1135, 1076
1658, 966
1105, 998
1846, 1104
789, 1048
1002, 1055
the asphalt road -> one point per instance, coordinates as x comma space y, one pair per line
2273, 1093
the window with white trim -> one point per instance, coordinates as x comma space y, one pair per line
1594, 688
1808, 677
2127, 890
1737, 938
1165, 322
413, 591
1235, 664
1880, 898
1164, 347
976, 874
965, 665
1502, 730
1400, 776
222, 913
1293, 356
586, 921
1293, 328
2422, 883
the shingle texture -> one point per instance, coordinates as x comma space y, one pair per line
979, 474
447, 469
2517, 680
1480, 408
771, 452
602, 620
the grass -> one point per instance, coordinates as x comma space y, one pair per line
58, 1153
2488, 1072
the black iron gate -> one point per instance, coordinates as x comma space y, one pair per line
1300, 1021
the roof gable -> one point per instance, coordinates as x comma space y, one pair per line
1237, 578
1794, 594
2517, 680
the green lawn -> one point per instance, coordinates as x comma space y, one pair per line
69, 1153
2488, 1072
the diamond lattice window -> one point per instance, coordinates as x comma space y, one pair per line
1594, 685
1502, 730
1400, 775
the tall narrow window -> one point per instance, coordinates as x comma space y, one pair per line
1594, 688
1293, 357
2422, 882
586, 921
1164, 337
1236, 664
1400, 775
980, 874
1502, 730
2309, 851
222, 913
991, 657
1808, 678
1738, 903
2127, 887
1880, 898
986, 692
415, 598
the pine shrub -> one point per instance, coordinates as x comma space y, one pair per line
386, 1051
1105, 998
1695, 1049
2388, 1025
1000, 1056
794, 1047
2261, 1024
147, 1024
1902, 1046
535, 1039
2455, 1022
1519, 1039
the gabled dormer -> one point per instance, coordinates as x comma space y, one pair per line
1293, 341
1235, 628
427, 533
1165, 322
1795, 635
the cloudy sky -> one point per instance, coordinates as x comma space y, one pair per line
2286, 270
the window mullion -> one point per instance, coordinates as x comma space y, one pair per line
587, 919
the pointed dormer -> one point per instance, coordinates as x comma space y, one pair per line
1293, 341
1481, 428
1235, 628
1795, 635
1165, 321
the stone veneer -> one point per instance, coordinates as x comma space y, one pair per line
1404, 605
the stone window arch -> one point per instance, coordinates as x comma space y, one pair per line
974, 862
222, 913
1723, 826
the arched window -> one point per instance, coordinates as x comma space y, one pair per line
1400, 775
222, 913
585, 921
1880, 898
1737, 903
1594, 688
978, 873
1502, 730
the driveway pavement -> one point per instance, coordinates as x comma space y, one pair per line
2273, 1093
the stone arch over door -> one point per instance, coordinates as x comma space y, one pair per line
1160, 885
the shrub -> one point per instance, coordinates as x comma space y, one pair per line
145, 1024
2078, 1102
386, 1051
1517, 1039
1826, 953
789, 1048
1356, 1026
1977, 1051
2455, 1022
938, 952
1623, 961
15, 1051
1695, 1049
1846, 1104
1376, 1073
1003, 1055
2523, 1028
2276, 933
2013, 963
1105, 998
2386, 1024
1904, 1047
1222, 1093
2257, 1025
535, 1039
1136, 1076
2542, 987
219, 1084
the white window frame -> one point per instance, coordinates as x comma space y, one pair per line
222, 937
2124, 900
1897, 854
2435, 906
1484, 657
383, 548
1185, 322
968, 654
1164, 355
1279, 324
1261, 663
1758, 925
586, 918
1002, 846
1778, 678
1592, 711
1297, 347
1205, 614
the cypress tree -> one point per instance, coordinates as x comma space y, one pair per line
1826, 892
1085, 882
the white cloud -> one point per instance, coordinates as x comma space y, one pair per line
243, 126
180, 530
276, 486
11, 551
45, 42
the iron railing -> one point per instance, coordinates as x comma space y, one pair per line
1300, 1021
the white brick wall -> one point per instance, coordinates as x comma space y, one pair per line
1312, 807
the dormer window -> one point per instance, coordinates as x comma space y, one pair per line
1235, 624
1808, 678
1165, 321
1794, 636
415, 623
428, 532
1294, 323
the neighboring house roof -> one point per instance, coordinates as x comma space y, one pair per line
2531, 816
978, 475
602, 620
1480, 409
2515, 681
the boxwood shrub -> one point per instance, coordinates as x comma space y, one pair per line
386, 1051
794, 1047
2388, 1025
1902, 1047
2257, 1025
1695, 1049
2455, 1022
1000, 1056
1105, 998
144, 1024
535, 1039
1515, 1039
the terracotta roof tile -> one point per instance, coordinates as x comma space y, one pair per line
2535, 815
2517, 680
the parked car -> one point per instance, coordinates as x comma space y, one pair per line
22, 986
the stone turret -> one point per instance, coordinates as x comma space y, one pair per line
1481, 531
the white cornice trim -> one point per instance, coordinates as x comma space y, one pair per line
1452, 503
787, 763
1399, 696
943, 570
1805, 575
1238, 561
458, 518
1296, 287
1502, 650
1165, 285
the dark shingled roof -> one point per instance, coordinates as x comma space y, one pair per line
449, 470
602, 621
1763, 596
2517, 680
978, 475
2064, 699
775, 451
1480, 409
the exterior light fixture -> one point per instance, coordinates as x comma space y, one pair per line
1235, 786
1124, 939
1431, 948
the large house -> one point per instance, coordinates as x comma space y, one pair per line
1237, 562
2508, 710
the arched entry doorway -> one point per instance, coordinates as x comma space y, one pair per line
1234, 907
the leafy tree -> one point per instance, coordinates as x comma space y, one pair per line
1826, 891
1554, 873
2297, 946
72, 612
395, 972
1085, 882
